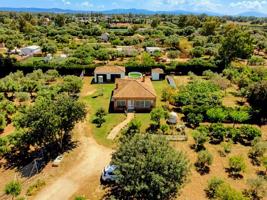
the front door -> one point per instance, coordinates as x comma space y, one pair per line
130, 104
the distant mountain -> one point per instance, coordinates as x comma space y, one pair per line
126, 11
252, 14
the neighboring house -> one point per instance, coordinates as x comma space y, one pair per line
105, 37
108, 73
157, 74
152, 50
30, 50
134, 95
127, 50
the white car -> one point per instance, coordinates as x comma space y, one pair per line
57, 161
108, 175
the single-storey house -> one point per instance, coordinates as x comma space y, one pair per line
157, 74
152, 50
108, 73
30, 50
134, 95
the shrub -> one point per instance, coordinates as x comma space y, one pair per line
173, 54
226, 192
13, 188
236, 165
238, 116
194, 119
99, 117
80, 198
200, 138
257, 151
132, 129
226, 148
204, 160
213, 185
248, 133
197, 52
217, 133
156, 115
256, 60
257, 188
218, 114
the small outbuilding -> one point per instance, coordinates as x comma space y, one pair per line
30, 50
157, 74
108, 73
153, 50
173, 118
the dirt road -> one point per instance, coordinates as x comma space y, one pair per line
92, 159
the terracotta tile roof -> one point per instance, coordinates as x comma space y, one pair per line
158, 70
134, 88
109, 69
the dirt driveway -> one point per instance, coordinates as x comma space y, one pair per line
92, 159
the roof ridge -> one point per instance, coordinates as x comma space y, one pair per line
145, 88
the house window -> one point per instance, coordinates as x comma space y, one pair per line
139, 104
143, 104
147, 104
121, 103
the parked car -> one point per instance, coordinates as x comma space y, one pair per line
57, 161
108, 175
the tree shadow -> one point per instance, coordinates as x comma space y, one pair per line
31, 162
202, 170
262, 174
231, 174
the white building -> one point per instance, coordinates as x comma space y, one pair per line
108, 73
157, 74
30, 50
152, 50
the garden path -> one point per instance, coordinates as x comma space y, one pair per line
116, 130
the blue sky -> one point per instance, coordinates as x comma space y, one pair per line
220, 6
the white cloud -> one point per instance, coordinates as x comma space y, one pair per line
86, 4
189, 4
249, 5
66, 2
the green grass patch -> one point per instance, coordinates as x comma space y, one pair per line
144, 118
101, 98
159, 86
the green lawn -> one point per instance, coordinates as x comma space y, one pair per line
159, 87
95, 102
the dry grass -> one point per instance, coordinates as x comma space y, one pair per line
194, 189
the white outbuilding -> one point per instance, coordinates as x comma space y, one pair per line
157, 74
30, 50
173, 118
108, 73
152, 50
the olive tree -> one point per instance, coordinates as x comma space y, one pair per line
148, 168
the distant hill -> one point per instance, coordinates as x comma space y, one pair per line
126, 11
252, 14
